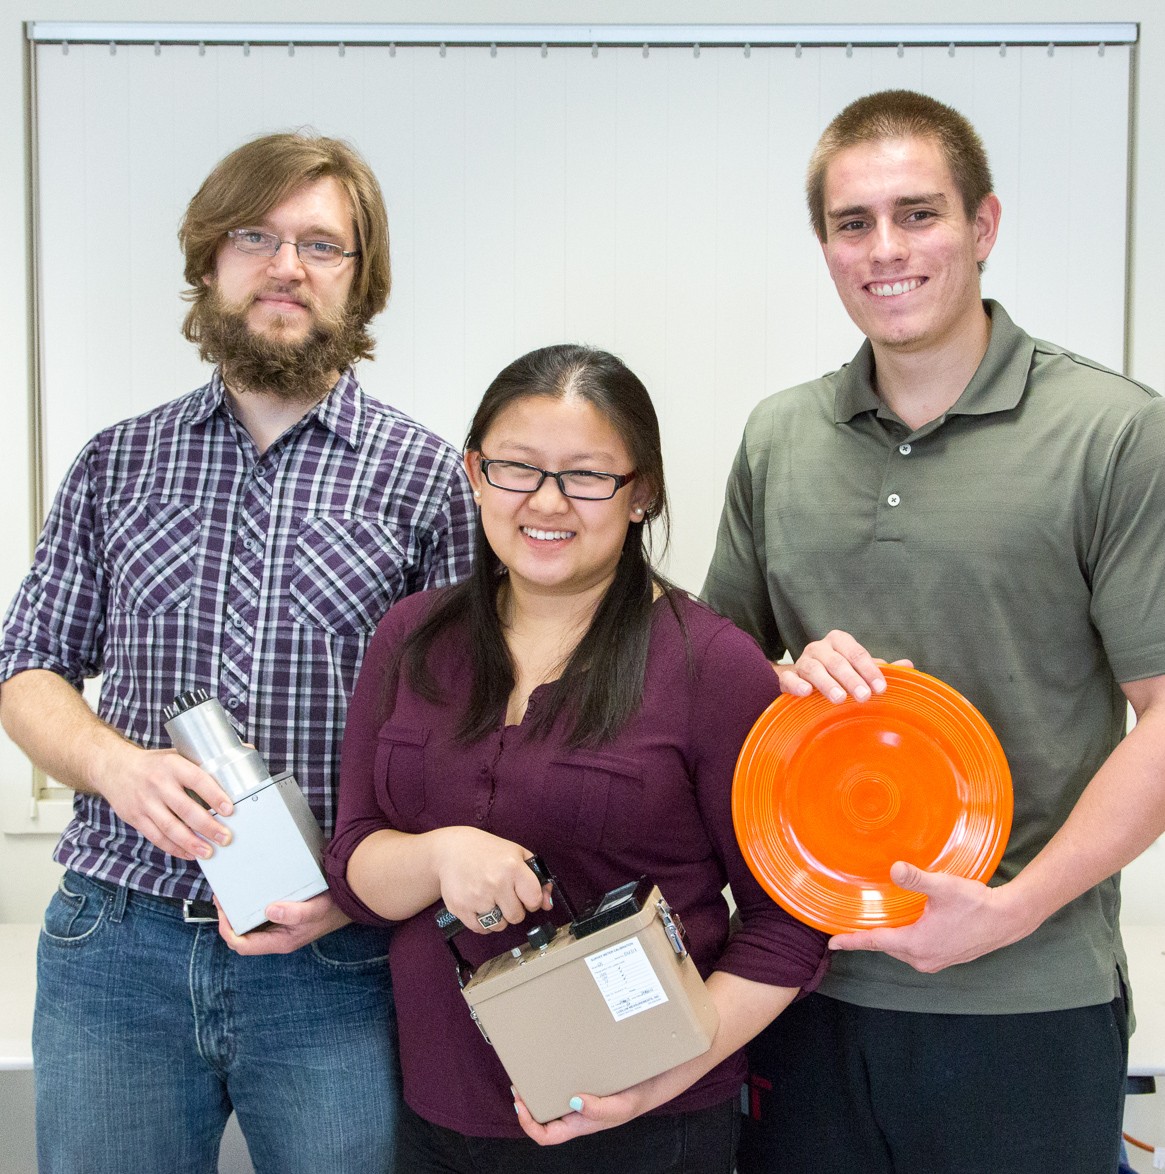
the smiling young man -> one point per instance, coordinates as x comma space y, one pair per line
992, 508
245, 538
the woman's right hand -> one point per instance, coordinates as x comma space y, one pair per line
478, 871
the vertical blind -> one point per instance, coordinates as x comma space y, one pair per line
648, 201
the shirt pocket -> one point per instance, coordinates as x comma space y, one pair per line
347, 573
399, 771
598, 798
152, 550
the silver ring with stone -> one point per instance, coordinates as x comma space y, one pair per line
490, 919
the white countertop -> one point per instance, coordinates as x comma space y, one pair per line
1146, 949
1145, 945
17, 990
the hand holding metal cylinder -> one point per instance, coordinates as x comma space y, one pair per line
200, 730
276, 845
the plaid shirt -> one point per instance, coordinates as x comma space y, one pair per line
176, 556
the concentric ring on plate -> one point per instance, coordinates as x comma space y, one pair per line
826, 797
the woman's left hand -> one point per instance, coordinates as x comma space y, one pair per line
595, 1113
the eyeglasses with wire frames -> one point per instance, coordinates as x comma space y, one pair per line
317, 253
583, 484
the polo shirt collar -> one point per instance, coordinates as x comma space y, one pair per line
341, 411
997, 385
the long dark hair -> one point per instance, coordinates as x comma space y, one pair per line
601, 685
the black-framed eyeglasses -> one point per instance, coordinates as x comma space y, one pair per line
584, 484
256, 243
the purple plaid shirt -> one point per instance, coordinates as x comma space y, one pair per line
176, 556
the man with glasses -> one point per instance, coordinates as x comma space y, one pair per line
991, 507
245, 538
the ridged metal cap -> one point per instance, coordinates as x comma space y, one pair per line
183, 702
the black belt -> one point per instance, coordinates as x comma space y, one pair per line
193, 912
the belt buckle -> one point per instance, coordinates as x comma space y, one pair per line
193, 912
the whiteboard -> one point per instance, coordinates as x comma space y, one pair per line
648, 203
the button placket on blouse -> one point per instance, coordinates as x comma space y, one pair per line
488, 774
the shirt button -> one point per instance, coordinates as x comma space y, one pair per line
233, 703
893, 499
904, 449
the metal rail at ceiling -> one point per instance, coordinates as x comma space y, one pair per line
541, 35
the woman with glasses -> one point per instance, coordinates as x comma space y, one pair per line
565, 700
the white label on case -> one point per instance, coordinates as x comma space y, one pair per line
626, 979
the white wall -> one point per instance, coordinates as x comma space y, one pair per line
646, 202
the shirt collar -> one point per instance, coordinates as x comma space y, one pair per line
341, 411
997, 385
206, 400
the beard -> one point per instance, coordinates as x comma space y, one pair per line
297, 371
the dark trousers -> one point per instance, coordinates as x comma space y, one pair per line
702, 1142
835, 1086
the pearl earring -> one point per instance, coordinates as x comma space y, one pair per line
477, 495
639, 511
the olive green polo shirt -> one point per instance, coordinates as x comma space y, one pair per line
1015, 548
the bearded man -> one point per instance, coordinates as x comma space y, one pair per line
245, 538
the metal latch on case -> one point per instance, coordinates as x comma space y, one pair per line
484, 1033
673, 927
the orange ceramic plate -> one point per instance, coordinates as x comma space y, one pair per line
826, 797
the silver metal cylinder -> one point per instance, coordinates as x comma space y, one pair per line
199, 728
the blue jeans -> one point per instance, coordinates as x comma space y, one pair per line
148, 1031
